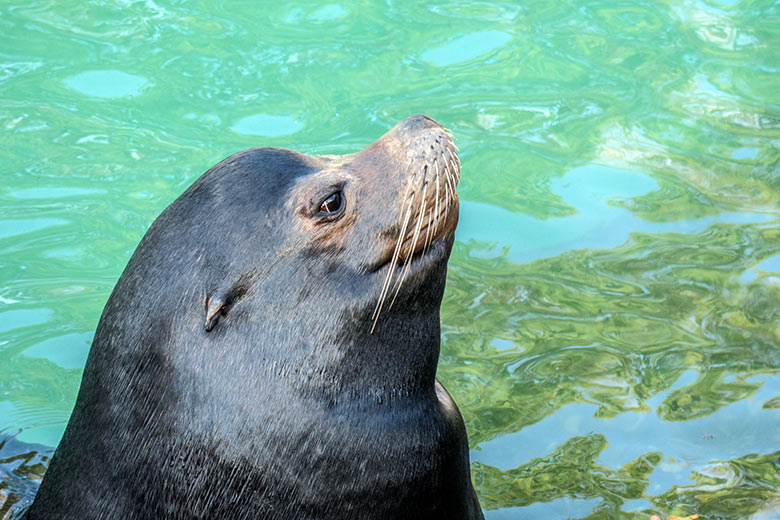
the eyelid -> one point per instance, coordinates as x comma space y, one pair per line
324, 216
338, 198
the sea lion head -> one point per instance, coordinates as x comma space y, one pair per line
387, 212
330, 267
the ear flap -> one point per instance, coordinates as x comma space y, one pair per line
216, 306
223, 298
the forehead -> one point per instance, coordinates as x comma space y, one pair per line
273, 162
257, 173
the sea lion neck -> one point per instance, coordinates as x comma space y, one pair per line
336, 354
401, 354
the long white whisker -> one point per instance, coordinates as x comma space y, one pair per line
393, 264
448, 178
448, 188
446, 200
452, 174
413, 245
433, 222
455, 165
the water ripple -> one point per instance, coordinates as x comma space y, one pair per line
610, 325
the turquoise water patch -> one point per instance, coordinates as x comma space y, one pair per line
745, 153
767, 265
742, 427
329, 12
53, 192
267, 125
596, 224
501, 344
68, 351
9, 228
17, 319
46, 435
559, 509
637, 504
107, 83
466, 48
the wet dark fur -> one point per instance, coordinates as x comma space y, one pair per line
287, 407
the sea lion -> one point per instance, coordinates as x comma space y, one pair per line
270, 349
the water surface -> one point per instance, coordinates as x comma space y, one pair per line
611, 324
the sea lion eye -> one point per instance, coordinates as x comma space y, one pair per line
332, 204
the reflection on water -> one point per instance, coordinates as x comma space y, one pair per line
558, 508
14, 319
769, 267
466, 47
597, 222
267, 125
690, 445
22, 467
9, 228
611, 320
106, 83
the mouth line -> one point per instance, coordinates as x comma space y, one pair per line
417, 255
435, 221
442, 223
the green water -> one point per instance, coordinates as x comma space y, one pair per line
611, 326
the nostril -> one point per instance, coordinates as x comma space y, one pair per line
419, 122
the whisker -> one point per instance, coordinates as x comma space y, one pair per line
448, 177
446, 205
448, 188
454, 163
413, 245
433, 222
445, 187
393, 264
428, 225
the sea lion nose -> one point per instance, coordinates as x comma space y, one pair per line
418, 122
